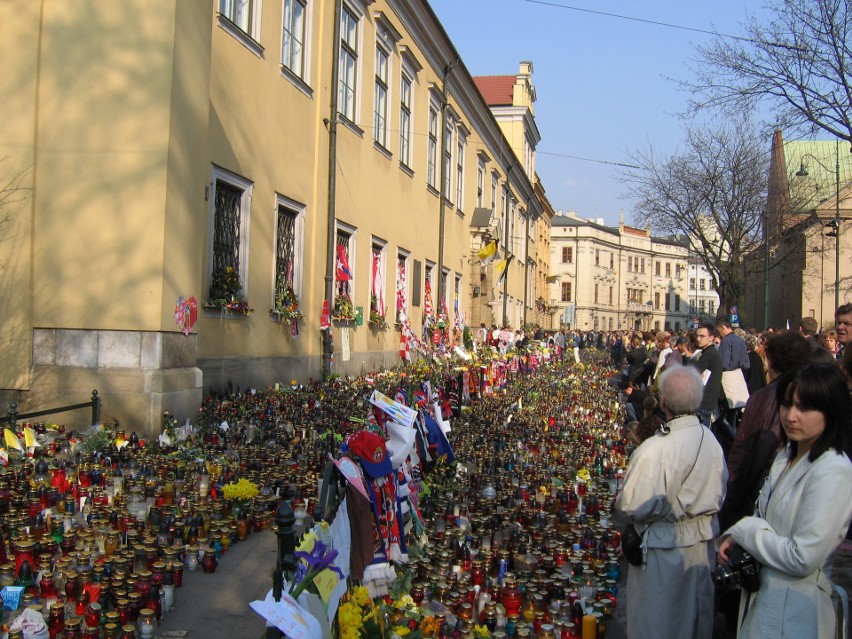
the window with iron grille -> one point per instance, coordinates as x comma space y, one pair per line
285, 299
228, 242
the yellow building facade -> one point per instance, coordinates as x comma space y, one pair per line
174, 150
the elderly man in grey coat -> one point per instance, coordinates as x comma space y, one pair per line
673, 488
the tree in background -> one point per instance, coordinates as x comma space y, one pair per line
712, 194
798, 65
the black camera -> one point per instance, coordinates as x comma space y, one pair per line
742, 570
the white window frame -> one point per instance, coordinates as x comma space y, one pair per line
245, 27
349, 51
406, 114
381, 95
382, 245
295, 33
218, 174
494, 180
458, 283
406, 289
447, 159
445, 273
351, 245
480, 181
298, 239
461, 145
432, 146
429, 276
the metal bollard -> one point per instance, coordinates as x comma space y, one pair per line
284, 520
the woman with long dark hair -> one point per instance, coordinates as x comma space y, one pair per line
802, 512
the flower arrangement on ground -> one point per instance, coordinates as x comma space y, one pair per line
359, 616
240, 493
226, 293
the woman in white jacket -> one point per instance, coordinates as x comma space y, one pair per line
802, 512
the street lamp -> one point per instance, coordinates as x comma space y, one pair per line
834, 224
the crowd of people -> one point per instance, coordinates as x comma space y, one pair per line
741, 476
741, 473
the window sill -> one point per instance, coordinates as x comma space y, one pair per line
244, 38
378, 146
406, 169
349, 124
296, 81
431, 189
219, 312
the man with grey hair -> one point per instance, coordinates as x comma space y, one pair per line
673, 488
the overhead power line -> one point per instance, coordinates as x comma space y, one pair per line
657, 23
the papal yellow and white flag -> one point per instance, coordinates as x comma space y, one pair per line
30, 438
501, 268
12, 440
489, 252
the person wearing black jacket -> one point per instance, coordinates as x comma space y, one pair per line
636, 359
709, 364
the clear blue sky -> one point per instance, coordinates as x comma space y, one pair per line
601, 81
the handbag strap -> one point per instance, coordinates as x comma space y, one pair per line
697, 454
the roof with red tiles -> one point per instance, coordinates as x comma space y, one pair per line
496, 89
634, 231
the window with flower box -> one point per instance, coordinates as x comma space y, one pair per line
378, 311
402, 258
286, 304
343, 306
228, 248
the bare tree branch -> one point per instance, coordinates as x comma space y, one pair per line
712, 193
798, 65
